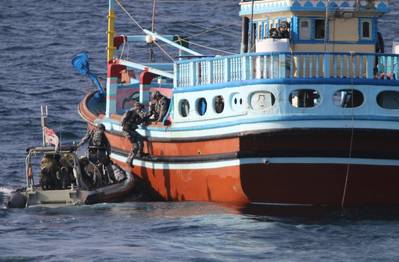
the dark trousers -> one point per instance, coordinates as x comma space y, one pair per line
137, 141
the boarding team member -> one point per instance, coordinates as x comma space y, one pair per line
130, 122
159, 106
99, 149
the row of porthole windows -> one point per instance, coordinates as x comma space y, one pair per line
301, 98
201, 106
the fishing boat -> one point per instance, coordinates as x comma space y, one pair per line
305, 114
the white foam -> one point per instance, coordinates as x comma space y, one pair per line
5, 190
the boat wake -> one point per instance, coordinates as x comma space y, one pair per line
4, 193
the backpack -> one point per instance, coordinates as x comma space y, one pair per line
97, 139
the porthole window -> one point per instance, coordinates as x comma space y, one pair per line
219, 104
262, 100
201, 106
184, 107
388, 99
237, 102
304, 98
348, 98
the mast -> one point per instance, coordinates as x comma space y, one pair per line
43, 121
326, 21
111, 31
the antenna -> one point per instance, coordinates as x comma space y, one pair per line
252, 27
326, 35
43, 121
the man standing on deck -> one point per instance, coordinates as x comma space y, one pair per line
130, 122
99, 150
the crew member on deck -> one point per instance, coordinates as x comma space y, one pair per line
130, 122
99, 150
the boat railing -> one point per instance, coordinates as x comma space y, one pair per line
286, 66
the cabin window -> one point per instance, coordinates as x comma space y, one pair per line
261, 101
304, 98
365, 29
219, 104
184, 108
319, 30
304, 31
348, 98
201, 106
388, 99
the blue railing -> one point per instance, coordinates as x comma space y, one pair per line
292, 66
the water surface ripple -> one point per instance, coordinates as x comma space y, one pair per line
38, 40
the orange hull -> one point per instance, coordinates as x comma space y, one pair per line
219, 184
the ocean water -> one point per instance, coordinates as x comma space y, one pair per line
37, 41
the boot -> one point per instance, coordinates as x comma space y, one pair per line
129, 159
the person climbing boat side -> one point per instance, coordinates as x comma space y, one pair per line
130, 122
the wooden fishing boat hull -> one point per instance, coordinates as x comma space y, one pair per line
275, 181
294, 166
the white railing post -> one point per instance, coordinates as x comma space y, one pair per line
326, 65
282, 66
244, 68
227, 70
176, 70
370, 66
192, 74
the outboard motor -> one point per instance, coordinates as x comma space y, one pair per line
16, 200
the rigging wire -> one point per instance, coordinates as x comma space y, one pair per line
212, 48
252, 27
164, 51
129, 15
348, 166
208, 30
154, 4
151, 45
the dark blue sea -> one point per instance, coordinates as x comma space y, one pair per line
38, 38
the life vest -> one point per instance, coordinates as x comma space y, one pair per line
97, 140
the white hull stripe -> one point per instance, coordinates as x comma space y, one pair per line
261, 126
265, 161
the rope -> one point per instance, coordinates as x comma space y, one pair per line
180, 40
225, 32
210, 30
164, 51
154, 3
129, 15
350, 152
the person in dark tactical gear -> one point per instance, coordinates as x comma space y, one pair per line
130, 122
159, 106
49, 172
99, 150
